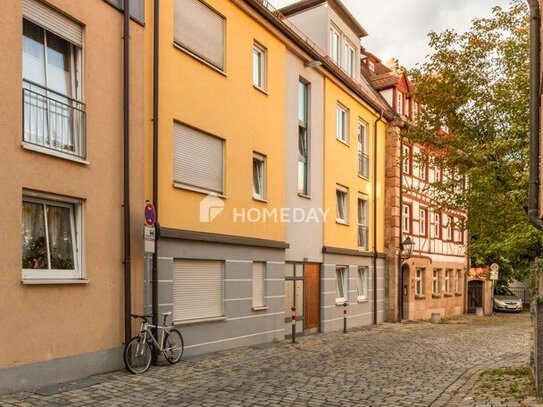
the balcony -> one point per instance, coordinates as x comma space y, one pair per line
362, 237
363, 165
53, 122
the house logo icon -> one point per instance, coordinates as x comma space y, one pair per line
210, 207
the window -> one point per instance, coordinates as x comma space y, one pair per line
406, 159
435, 281
437, 226
362, 284
363, 223
342, 207
303, 138
51, 238
399, 103
342, 284
415, 111
363, 157
342, 124
447, 281
437, 174
197, 290
349, 59
259, 176
423, 225
259, 284
53, 111
450, 228
419, 282
457, 281
371, 66
198, 160
259, 67
199, 30
335, 41
406, 218
422, 167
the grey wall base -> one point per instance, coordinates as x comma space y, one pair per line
37, 375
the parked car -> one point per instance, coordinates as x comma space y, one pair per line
505, 300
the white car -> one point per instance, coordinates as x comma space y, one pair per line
506, 301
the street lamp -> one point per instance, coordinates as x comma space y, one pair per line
406, 248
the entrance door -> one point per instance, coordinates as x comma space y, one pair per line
475, 296
312, 296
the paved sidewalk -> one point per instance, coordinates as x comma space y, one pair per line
412, 364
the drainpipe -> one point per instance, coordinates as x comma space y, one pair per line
375, 216
126, 176
535, 65
154, 272
400, 270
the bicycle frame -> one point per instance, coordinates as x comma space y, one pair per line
147, 329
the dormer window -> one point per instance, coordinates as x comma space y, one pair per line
335, 45
399, 103
349, 58
371, 66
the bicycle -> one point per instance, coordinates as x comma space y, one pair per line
168, 341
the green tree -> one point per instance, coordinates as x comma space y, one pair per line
474, 89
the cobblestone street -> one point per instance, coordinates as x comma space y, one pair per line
413, 364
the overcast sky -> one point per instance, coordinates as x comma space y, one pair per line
399, 28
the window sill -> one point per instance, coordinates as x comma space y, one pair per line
342, 222
420, 297
345, 143
199, 190
436, 295
258, 88
448, 294
199, 59
341, 301
458, 294
50, 281
362, 299
199, 321
262, 308
58, 154
301, 195
259, 199
364, 177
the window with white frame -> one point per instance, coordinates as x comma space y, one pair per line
449, 228
342, 124
419, 281
335, 45
447, 287
435, 281
51, 237
259, 284
415, 111
437, 226
362, 222
198, 160
371, 66
406, 159
349, 59
200, 30
259, 66
362, 283
422, 167
342, 204
437, 174
399, 102
53, 111
303, 137
259, 176
363, 156
457, 281
198, 287
423, 225
342, 284
406, 218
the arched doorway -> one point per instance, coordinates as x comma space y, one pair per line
405, 291
475, 295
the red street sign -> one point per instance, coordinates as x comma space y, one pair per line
150, 214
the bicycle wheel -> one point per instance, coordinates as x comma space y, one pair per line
173, 346
137, 355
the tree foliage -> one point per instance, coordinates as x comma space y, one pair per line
474, 90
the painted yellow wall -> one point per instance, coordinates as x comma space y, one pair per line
227, 106
341, 167
44, 322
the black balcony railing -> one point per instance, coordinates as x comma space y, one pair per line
363, 165
363, 237
53, 121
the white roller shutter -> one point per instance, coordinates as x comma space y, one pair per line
197, 289
200, 30
52, 21
258, 284
197, 159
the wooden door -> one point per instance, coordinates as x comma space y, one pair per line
475, 296
312, 297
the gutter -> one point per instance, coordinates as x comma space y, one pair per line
126, 175
535, 66
375, 254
